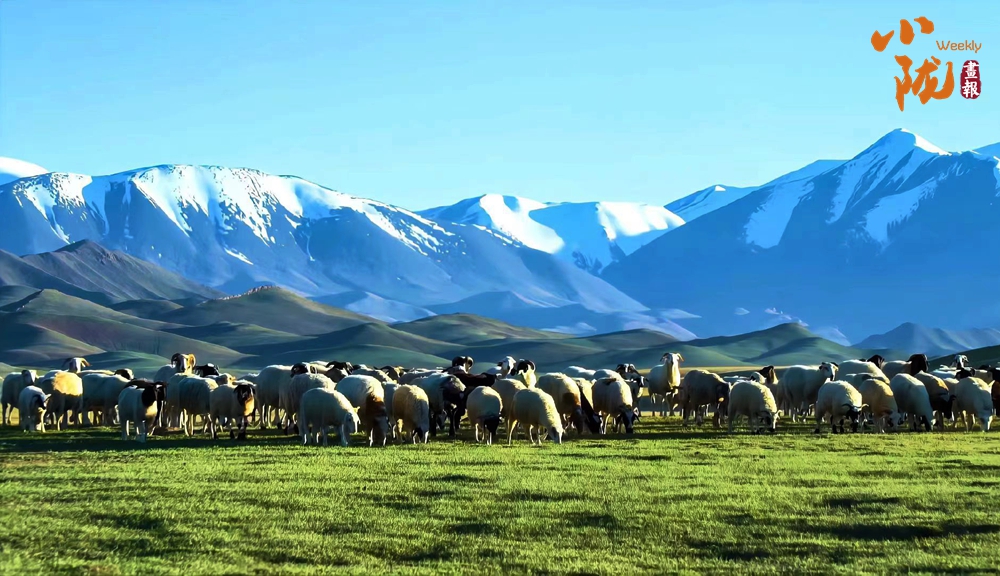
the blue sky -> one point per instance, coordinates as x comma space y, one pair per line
421, 103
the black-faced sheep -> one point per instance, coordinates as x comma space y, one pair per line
756, 402
138, 406
461, 365
485, 409
839, 400
367, 395
912, 400
914, 365
569, 401
701, 389
446, 394
880, 403
524, 371
231, 403
613, 400
75, 365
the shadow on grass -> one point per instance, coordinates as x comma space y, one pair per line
887, 533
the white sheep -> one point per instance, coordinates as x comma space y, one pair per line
566, 395
507, 388
446, 394
840, 400
973, 401
100, 395
579, 372
411, 408
388, 391
179, 364
13, 383
756, 402
411, 376
230, 403
321, 408
75, 365
32, 403
663, 382
914, 365
367, 395
139, 406
270, 381
291, 395
66, 393
192, 397
800, 385
536, 410
941, 397
879, 401
613, 400
701, 389
485, 409
912, 400
849, 367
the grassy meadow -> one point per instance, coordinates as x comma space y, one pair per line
667, 500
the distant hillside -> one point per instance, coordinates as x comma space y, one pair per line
932, 341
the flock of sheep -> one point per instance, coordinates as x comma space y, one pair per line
311, 398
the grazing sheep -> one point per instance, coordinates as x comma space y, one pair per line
941, 398
663, 382
613, 399
840, 400
507, 388
912, 400
139, 406
411, 412
32, 403
756, 402
524, 371
65, 391
569, 404
100, 395
321, 408
291, 395
367, 395
485, 408
75, 365
536, 410
973, 401
914, 365
879, 401
503, 367
231, 403
799, 385
701, 388
446, 394
13, 383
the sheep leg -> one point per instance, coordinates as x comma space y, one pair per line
511, 427
124, 429
140, 430
323, 434
475, 429
344, 436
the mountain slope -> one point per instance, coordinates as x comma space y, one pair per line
855, 247
12, 169
589, 234
932, 341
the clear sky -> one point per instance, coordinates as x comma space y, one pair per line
420, 103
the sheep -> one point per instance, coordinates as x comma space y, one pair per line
940, 396
996, 397
413, 375
849, 367
270, 381
367, 395
663, 382
100, 394
375, 373
179, 364
192, 397
702, 388
503, 367
66, 393
579, 372
291, 394
321, 408
613, 399
507, 388
524, 371
32, 404
840, 400
536, 410
75, 365
13, 383
800, 384
393, 372
913, 400
388, 391
485, 408
569, 404
461, 364
988, 374
228, 403
411, 413
138, 405
768, 377
914, 365
446, 394
756, 402
880, 402
973, 401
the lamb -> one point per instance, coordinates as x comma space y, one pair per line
569, 404
411, 413
840, 400
13, 384
914, 365
880, 402
66, 393
291, 394
503, 367
801, 384
941, 397
973, 401
461, 364
536, 410
756, 402
75, 365
137, 405
485, 409
230, 403
367, 395
31, 406
320, 408
524, 371
446, 394
507, 388
913, 400
664, 381
702, 388
613, 399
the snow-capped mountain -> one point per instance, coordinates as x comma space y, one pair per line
233, 229
13, 169
904, 231
589, 234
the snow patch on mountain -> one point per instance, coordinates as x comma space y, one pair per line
708, 200
13, 169
767, 224
894, 209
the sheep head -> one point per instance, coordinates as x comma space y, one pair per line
878, 360
491, 424
125, 373
303, 368
206, 370
960, 361
768, 373
148, 396
829, 369
555, 434
244, 393
29, 377
918, 364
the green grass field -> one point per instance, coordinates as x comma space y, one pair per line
666, 500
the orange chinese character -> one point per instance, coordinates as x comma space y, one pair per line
924, 80
879, 41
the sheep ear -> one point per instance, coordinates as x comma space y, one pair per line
680, 357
